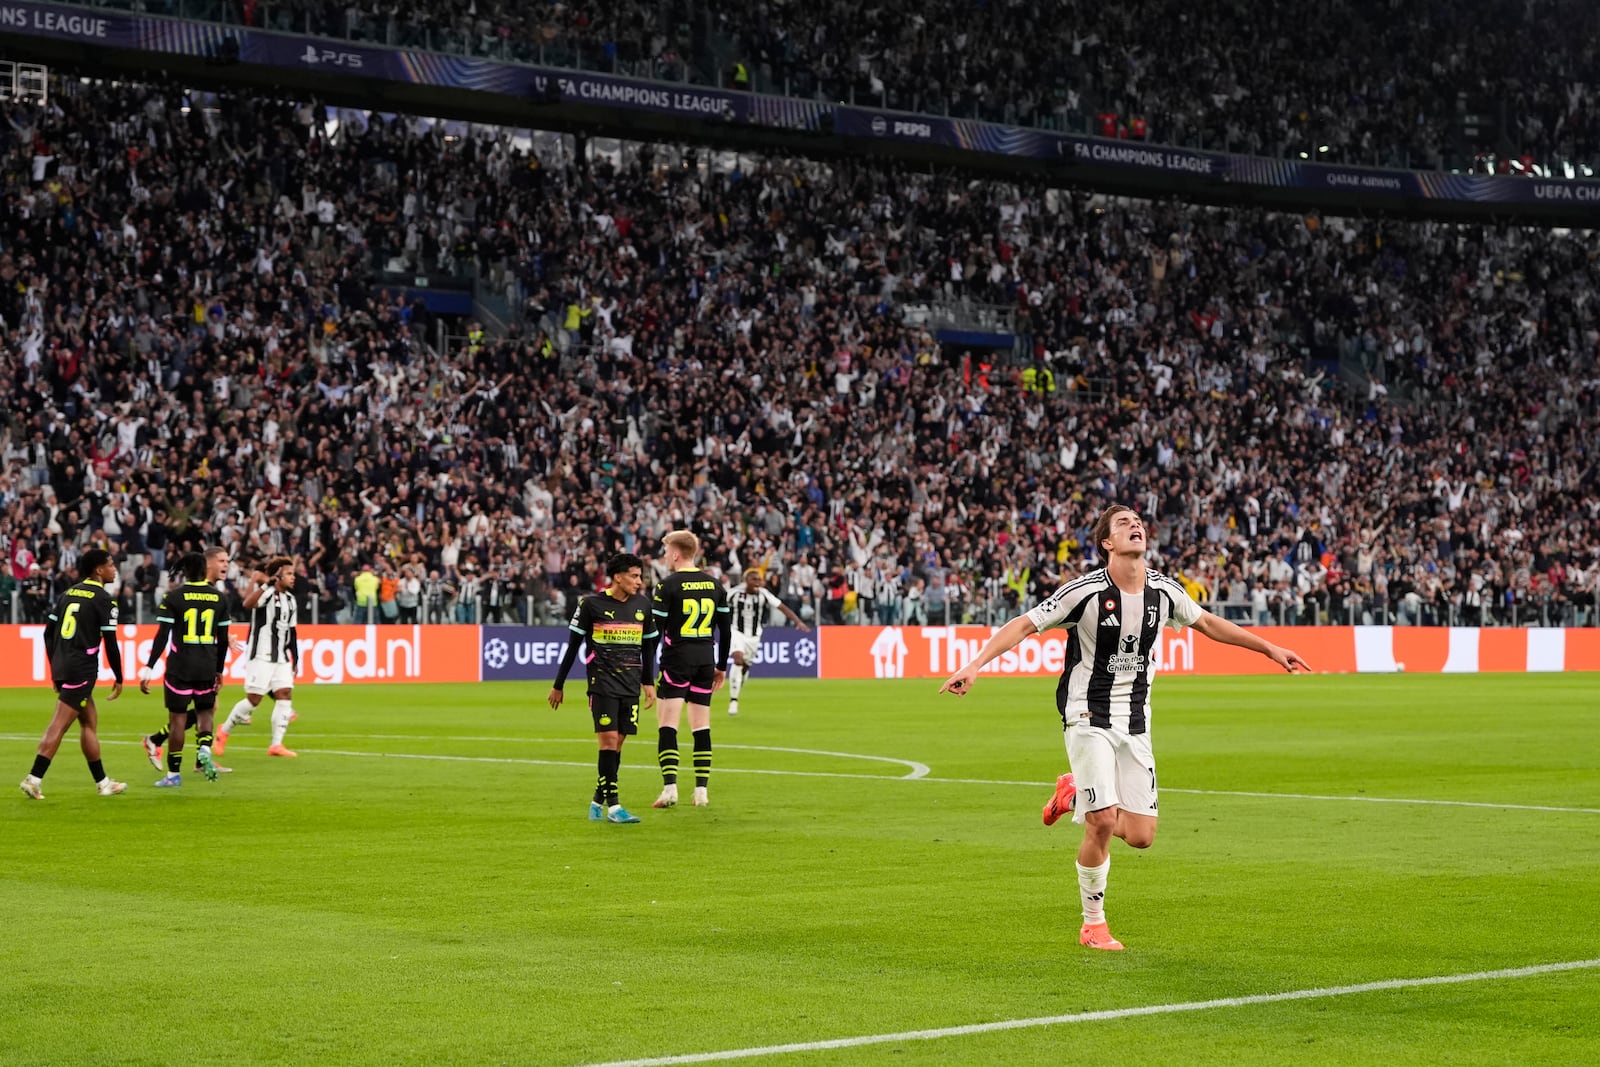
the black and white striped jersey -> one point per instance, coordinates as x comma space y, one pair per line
751, 610
272, 629
1110, 656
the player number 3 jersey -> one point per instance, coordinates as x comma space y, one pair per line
1110, 657
616, 632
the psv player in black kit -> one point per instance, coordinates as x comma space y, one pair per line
84, 619
193, 632
696, 632
621, 634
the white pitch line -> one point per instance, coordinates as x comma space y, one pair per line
919, 772
586, 763
1321, 993
1383, 800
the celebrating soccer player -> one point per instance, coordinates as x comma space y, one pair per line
689, 605
1115, 614
622, 636
274, 654
749, 607
193, 632
83, 620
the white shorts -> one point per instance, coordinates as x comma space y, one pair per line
262, 677
748, 646
1111, 769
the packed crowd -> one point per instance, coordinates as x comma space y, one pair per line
191, 353
1384, 83
1388, 83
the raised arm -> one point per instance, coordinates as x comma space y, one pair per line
258, 589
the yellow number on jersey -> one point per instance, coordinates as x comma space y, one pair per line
69, 622
194, 617
701, 614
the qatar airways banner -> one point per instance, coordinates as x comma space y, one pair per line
329, 655
533, 653
939, 651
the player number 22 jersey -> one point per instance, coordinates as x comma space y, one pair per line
688, 606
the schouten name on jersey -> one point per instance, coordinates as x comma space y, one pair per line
1110, 657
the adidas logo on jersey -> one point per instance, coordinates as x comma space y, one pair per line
1111, 620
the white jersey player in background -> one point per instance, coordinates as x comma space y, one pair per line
750, 606
274, 654
1115, 614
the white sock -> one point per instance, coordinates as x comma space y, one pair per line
1092, 891
239, 716
735, 681
280, 721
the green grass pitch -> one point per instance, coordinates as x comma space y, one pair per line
422, 885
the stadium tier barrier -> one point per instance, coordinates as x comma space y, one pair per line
361, 654
158, 41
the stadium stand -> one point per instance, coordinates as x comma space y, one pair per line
1326, 420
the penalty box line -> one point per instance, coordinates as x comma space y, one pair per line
1320, 993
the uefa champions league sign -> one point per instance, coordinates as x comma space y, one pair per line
533, 653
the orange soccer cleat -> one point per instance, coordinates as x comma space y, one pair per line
1098, 936
1061, 803
279, 750
219, 744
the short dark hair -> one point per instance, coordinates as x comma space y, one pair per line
622, 563
92, 561
193, 567
1102, 526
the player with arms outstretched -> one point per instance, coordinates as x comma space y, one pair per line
193, 632
748, 607
1115, 615
692, 610
83, 620
621, 634
274, 651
